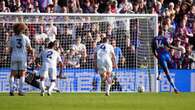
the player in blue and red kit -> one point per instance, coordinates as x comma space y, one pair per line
159, 48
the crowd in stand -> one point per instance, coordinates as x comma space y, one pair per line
176, 18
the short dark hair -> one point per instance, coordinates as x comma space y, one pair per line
51, 45
105, 39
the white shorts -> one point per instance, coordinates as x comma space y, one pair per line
18, 65
48, 72
104, 65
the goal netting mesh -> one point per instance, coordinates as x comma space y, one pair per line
78, 35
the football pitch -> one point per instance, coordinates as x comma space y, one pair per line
97, 101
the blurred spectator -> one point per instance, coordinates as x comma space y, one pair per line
125, 7
97, 38
80, 49
109, 32
66, 39
56, 7
112, 6
191, 17
72, 58
45, 4
178, 54
102, 6
168, 34
72, 8
171, 8
62, 3
87, 39
142, 7
129, 54
192, 38
3, 8
173, 64
36, 10
157, 8
90, 54
51, 31
96, 7
59, 48
40, 38
94, 30
87, 24
182, 30
87, 7
29, 8
120, 60
187, 59
17, 6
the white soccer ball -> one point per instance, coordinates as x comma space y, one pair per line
140, 89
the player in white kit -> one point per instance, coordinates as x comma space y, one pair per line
19, 45
50, 59
104, 62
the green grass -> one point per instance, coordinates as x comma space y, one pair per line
97, 101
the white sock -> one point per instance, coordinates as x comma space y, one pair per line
21, 83
109, 80
42, 86
11, 84
108, 85
53, 84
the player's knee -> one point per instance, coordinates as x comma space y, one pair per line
108, 74
22, 73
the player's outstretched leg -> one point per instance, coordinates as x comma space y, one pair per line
11, 84
171, 82
42, 86
21, 83
158, 77
108, 83
53, 84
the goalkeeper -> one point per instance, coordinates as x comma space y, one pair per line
33, 79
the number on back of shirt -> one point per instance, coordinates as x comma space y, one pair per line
19, 43
159, 43
49, 54
103, 47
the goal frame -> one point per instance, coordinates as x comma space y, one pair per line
155, 16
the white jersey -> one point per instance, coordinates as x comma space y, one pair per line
104, 54
50, 58
19, 44
104, 51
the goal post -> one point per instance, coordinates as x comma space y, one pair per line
131, 33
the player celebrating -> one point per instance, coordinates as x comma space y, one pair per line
19, 44
159, 48
50, 57
104, 61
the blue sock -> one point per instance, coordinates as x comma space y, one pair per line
159, 73
170, 81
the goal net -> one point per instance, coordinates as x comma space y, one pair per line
78, 35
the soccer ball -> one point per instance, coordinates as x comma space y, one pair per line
140, 89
